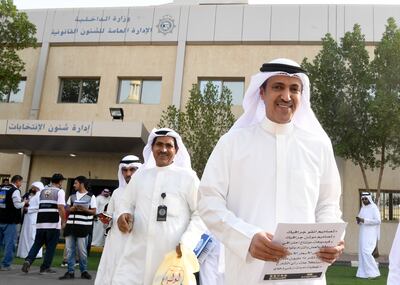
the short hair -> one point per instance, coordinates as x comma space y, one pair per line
5, 179
16, 178
57, 178
83, 180
175, 142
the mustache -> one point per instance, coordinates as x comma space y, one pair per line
284, 102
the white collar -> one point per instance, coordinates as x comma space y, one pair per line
275, 128
161, 168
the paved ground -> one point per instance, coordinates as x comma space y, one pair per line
348, 259
16, 277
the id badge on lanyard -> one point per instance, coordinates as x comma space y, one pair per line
162, 209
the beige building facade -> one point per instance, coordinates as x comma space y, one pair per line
142, 59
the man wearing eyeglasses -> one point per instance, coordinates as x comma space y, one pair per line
369, 220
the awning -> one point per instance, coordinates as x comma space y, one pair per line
78, 137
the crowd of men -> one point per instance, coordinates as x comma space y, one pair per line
275, 165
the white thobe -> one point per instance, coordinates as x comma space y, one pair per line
367, 239
212, 269
98, 227
394, 261
28, 229
114, 242
262, 175
150, 239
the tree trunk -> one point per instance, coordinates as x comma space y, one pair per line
364, 175
378, 188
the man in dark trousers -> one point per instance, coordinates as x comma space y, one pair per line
10, 216
82, 208
50, 220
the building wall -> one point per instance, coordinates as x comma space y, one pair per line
109, 63
21, 110
238, 61
221, 41
104, 166
10, 164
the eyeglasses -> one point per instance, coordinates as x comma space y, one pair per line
364, 199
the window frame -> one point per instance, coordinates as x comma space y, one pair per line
387, 211
141, 79
223, 79
7, 100
81, 79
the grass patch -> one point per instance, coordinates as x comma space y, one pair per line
336, 275
93, 260
346, 275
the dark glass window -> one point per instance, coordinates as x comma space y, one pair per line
79, 90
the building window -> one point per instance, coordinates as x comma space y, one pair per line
236, 86
139, 91
17, 97
79, 90
389, 205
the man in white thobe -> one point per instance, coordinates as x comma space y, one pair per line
161, 202
369, 220
394, 261
98, 228
115, 241
275, 165
28, 229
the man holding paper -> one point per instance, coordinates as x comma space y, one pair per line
369, 220
275, 165
82, 208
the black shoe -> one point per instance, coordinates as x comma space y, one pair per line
86, 275
67, 275
47, 271
26, 266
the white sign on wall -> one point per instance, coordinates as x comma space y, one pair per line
45, 127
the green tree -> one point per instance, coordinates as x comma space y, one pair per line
385, 109
16, 33
342, 98
207, 116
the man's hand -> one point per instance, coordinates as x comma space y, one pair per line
360, 220
178, 250
104, 219
330, 254
263, 248
125, 223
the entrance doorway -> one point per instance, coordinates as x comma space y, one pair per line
96, 186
